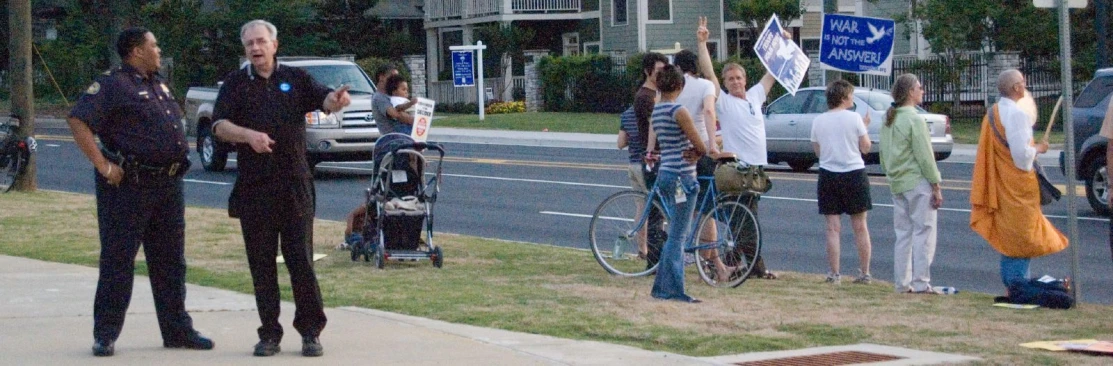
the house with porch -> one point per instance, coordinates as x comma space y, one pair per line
622, 28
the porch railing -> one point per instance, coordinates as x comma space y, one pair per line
444, 93
449, 9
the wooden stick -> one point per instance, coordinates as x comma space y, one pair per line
1054, 113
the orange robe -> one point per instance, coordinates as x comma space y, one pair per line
1006, 201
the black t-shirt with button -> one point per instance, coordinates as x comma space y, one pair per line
277, 106
134, 114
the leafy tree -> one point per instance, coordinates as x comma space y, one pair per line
505, 42
756, 13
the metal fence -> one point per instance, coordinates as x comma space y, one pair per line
972, 77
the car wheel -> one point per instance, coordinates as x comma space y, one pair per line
1097, 187
213, 158
801, 165
939, 156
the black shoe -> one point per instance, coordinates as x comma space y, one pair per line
192, 341
311, 346
267, 347
103, 348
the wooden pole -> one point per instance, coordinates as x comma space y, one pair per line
1054, 113
23, 93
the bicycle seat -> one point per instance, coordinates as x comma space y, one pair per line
725, 157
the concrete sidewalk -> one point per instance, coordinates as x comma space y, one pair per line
961, 153
46, 318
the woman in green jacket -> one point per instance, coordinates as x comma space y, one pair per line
909, 163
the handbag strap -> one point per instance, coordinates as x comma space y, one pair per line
993, 123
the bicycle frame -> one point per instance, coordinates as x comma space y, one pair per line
706, 199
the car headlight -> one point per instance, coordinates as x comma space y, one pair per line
322, 119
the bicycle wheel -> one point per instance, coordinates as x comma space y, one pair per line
10, 161
614, 240
738, 241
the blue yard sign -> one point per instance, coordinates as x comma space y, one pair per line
857, 44
462, 69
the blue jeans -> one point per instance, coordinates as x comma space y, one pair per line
1014, 269
669, 283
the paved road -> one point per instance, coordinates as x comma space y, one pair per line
546, 195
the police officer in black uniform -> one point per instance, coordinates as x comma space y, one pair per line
262, 109
139, 170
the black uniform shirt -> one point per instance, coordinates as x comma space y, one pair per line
134, 115
276, 106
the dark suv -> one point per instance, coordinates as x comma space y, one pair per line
1088, 113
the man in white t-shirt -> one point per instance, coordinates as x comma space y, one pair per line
741, 122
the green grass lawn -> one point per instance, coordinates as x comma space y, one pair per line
563, 292
534, 121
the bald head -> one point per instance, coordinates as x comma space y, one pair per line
1007, 84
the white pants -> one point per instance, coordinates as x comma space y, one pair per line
915, 224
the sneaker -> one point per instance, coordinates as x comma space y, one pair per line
311, 346
864, 279
267, 347
833, 278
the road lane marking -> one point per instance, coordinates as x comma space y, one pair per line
960, 210
206, 182
535, 181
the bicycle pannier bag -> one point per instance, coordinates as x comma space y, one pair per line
737, 178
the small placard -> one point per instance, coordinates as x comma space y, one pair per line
398, 176
423, 119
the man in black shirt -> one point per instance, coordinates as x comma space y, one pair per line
138, 177
262, 109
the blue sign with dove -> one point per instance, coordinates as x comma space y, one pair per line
855, 44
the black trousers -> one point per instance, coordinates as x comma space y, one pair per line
291, 228
151, 214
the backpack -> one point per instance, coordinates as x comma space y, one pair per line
1052, 294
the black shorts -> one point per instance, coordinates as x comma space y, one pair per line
843, 193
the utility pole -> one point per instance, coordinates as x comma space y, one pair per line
1101, 9
116, 9
23, 93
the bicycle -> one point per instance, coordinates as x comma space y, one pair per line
15, 152
624, 214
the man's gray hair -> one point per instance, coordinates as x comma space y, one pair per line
259, 22
1006, 79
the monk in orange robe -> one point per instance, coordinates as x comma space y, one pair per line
1005, 194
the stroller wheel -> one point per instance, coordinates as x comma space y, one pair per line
378, 257
438, 257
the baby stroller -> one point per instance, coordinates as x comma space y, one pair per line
399, 201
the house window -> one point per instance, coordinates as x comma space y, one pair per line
620, 12
713, 49
660, 11
591, 47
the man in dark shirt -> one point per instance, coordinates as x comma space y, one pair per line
388, 117
139, 191
644, 100
262, 109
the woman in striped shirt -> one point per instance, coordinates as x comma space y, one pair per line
681, 147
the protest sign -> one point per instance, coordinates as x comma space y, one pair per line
783, 58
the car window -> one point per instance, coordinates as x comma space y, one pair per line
876, 99
818, 103
789, 104
333, 76
1094, 92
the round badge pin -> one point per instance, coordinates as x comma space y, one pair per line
284, 87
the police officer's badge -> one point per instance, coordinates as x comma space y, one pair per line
93, 89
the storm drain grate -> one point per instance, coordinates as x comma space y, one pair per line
825, 359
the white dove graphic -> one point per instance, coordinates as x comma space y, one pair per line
877, 33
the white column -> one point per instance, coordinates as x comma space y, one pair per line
432, 55
643, 17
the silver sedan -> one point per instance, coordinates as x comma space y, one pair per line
788, 125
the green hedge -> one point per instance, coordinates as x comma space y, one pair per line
584, 84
